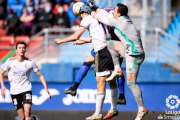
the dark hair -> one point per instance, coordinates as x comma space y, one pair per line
20, 42
122, 9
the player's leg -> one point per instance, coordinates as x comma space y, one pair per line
115, 57
20, 112
114, 95
132, 68
103, 68
17, 102
27, 111
120, 82
27, 102
117, 65
81, 74
118, 47
100, 97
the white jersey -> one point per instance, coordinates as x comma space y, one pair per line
18, 74
96, 31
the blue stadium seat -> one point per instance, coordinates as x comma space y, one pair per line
11, 2
17, 9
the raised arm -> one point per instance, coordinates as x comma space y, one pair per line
43, 80
82, 40
3, 88
102, 16
73, 37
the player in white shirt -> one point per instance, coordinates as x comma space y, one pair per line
132, 48
103, 59
19, 69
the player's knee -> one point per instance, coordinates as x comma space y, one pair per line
112, 84
22, 117
129, 84
89, 61
101, 87
27, 112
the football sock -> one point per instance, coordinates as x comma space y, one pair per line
137, 94
121, 96
75, 86
81, 74
120, 83
114, 96
99, 102
29, 118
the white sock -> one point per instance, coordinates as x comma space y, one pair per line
140, 108
29, 118
117, 68
99, 102
114, 97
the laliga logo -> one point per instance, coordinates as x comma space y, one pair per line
172, 102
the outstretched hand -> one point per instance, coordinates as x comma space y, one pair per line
3, 91
48, 94
78, 42
58, 41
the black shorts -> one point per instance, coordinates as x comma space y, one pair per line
103, 62
20, 99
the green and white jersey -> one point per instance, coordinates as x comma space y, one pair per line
18, 74
125, 30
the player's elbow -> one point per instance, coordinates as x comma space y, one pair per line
90, 40
41, 76
76, 37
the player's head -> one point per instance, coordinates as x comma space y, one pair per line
20, 48
120, 10
84, 11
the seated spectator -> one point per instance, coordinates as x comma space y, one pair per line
27, 19
36, 5
2, 9
28, 3
10, 22
45, 19
61, 19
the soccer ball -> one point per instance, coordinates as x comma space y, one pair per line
76, 7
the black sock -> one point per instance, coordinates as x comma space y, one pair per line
75, 86
121, 96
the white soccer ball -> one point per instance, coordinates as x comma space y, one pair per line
76, 7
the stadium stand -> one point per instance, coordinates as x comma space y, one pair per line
7, 40
2, 32
17, 9
34, 46
173, 29
21, 38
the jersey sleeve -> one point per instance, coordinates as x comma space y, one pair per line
34, 67
6, 65
85, 22
106, 18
